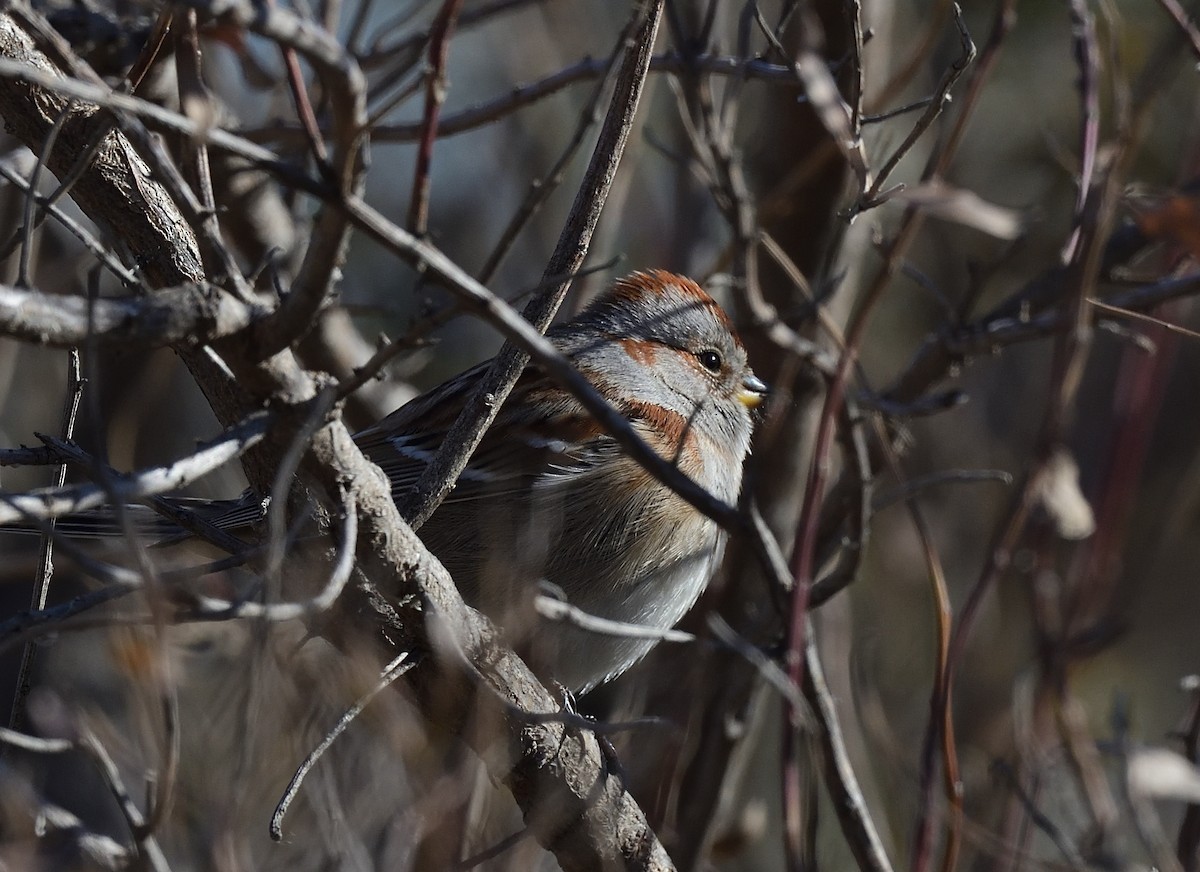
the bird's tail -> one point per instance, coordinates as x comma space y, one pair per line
144, 522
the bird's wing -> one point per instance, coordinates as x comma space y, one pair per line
540, 436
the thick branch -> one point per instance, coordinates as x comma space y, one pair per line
117, 189
346, 96
189, 314
577, 810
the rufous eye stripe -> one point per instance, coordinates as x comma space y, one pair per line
640, 350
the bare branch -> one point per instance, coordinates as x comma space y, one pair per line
435, 96
477, 116
48, 503
394, 670
190, 314
141, 209
573, 243
41, 588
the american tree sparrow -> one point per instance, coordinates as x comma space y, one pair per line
549, 496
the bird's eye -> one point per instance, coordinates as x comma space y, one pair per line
710, 360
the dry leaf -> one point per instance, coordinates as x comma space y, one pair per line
963, 207
1159, 773
1063, 500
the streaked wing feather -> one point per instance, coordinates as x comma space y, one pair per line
404, 442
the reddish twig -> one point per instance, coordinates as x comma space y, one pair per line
804, 547
151, 50
435, 96
466, 432
939, 730
195, 101
304, 109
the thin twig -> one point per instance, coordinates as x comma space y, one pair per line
435, 96
329, 238
479, 12
923, 48
859, 508
196, 101
1083, 36
150, 51
767, 668
103, 96
1183, 22
486, 112
29, 624
1141, 316
540, 190
555, 609
400, 665
16, 739
873, 196
848, 801
148, 848
988, 334
47, 503
480, 410
823, 95
304, 109
23, 277
888, 115
912, 486
315, 417
1039, 819
321, 602
939, 728
853, 12
41, 588
102, 252
419, 331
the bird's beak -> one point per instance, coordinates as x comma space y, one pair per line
753, 391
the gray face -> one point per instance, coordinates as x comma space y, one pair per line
669, 341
